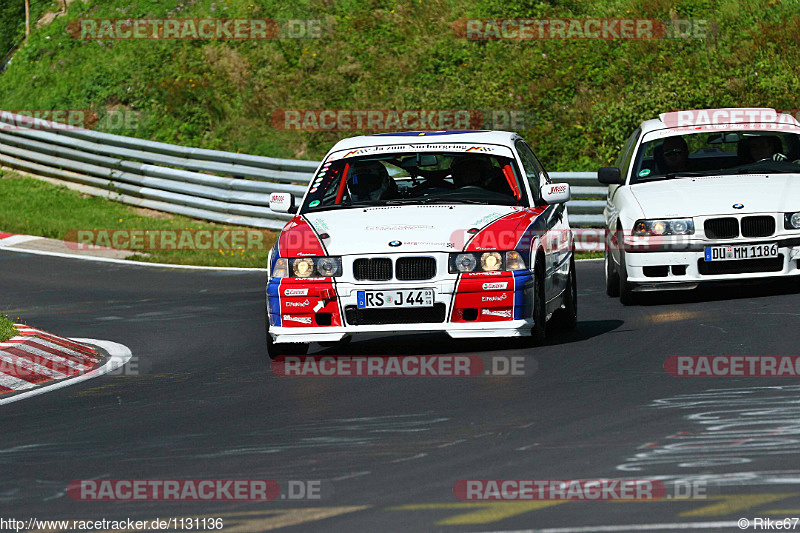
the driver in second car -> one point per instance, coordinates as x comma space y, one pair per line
369, 180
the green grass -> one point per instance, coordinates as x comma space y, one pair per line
588, 95
35, 207
588, 255
7, 329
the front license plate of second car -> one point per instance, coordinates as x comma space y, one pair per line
746, 251
395, 298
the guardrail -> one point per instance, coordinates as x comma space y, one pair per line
208, 184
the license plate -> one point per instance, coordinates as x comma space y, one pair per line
745, 251
395, 298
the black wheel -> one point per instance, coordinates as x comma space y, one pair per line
539, 329
612, 277
276, 350
567, 318
626, 294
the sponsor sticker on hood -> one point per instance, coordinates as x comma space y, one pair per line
295, 292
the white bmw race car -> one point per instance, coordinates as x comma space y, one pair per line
454, 231
704, 196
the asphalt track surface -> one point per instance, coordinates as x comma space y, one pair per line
203, 403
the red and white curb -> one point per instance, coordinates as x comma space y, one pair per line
10, 239
34, 358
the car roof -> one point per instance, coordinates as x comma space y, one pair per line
505, 138
709, 116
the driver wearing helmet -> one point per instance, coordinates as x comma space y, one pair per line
472, 172
369, 180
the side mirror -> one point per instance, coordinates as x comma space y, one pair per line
555, 193
281, 202
610, 176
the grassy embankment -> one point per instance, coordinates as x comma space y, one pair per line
587, 95
7, 329
34, 207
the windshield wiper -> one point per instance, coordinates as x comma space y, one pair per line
690, 174
453, 201
765, 171
326, 207
404, 201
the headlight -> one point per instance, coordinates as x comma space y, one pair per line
329, 266
306, 267
491, 261
281, 269
673, 226
485, 262
463, 263
514, 261
303, 268
792, 220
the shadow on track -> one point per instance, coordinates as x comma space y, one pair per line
721, 292
440, 343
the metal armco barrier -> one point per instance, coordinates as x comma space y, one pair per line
220, 186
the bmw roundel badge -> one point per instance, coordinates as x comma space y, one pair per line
738, 206
395, 244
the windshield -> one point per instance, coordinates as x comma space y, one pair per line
707, 153
416, 177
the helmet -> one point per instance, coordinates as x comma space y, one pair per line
368, 180
472, 170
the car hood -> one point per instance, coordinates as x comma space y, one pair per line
716, 195
418, 228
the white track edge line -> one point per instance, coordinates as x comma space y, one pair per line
118, 355
627, 527
128, 262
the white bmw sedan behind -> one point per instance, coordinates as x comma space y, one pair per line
703, 196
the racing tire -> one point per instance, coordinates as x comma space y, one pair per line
539, 329
276, 350
567, 318
612, 276
626, 294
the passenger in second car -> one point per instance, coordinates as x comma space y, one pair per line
764, 147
